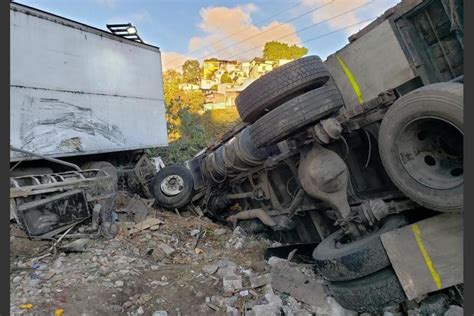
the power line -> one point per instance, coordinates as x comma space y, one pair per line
272, 28
314, 38
249, 27
310, 26
331, 18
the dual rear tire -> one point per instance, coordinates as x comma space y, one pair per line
287, 100
359, 273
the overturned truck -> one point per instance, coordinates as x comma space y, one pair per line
362, 154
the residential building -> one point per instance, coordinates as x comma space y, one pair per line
209, 66
207, 84
245, 67
223, 87
259, 67
232, 93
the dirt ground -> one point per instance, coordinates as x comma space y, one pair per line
156, 270
168, 264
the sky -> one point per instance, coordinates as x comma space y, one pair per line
226, 29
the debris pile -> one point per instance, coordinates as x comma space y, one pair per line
162, 263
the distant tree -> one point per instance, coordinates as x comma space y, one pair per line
191, 71
276, 50
177, 100
193, 101
225, 78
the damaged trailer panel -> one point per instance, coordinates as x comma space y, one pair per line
77, 90
47, 204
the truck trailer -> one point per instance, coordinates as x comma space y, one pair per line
81, 98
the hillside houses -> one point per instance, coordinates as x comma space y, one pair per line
219, 93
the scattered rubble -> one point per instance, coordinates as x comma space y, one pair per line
152, 268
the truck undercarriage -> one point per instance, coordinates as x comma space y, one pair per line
306, 168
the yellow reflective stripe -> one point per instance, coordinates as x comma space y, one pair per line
351, 79
417, 232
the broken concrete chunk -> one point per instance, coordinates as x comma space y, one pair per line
217, 300
230, 301
437, 303
273, 299
274, 260
260, 280
222, 272
266, 310
220, 231
166, 249
289, 311
210, 268
160, 313
76, 246
232, 311
147, 223
225, 263
290, 280
195, 232
454, 311
268, 289
232, 283
239, 232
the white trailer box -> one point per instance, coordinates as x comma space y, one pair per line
78, 90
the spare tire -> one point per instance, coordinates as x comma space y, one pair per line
172, 186
421, 146
296, 114
338, 261
280, 85
371, 293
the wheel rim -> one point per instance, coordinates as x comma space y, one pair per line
431, 151
172, 185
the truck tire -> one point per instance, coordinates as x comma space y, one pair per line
296, 114
371, 293
280, 85
172, 186
342, 262
421, 146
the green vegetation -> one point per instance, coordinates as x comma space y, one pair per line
276, 50
210, 74
177, 100
225, 78
191, 72
189, 130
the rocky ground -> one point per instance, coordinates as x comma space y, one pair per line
168, 264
